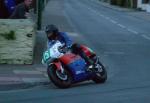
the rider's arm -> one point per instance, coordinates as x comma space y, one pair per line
67, 39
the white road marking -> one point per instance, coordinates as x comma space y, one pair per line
132, 31
101, 15
32, 80
107, 18
96, 12
26, 72
92, 10
146, 37
9, 79
42, 69
122, 26
113, 21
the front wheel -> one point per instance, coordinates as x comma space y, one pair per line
101, 74
61, 80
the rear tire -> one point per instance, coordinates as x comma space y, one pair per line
100, 77
59, 82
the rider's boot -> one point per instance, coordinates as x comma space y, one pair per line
89, 62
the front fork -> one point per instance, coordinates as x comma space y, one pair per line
97, 60
59, 66
98, 65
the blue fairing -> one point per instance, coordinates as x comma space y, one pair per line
78, 68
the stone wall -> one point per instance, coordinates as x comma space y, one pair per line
20, 49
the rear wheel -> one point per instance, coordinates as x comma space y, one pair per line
61, 80
101, 74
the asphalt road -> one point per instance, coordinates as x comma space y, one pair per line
121, 40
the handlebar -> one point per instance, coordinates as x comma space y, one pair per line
63, 49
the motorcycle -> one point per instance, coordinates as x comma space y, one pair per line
65, 68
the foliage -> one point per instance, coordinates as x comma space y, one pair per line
9, 35
124, 3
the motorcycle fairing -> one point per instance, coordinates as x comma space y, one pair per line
77, 66
69, 58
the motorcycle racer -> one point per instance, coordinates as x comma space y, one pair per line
53, 34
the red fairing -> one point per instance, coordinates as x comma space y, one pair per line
58, 65
86, 50
69, 58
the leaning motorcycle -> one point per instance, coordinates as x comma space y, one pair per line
65, 68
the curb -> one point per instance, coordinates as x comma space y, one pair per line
18, 77
17, 86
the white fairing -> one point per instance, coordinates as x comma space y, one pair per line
54, 52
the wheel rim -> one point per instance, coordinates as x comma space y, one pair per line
99, 68
100, 71
63, 76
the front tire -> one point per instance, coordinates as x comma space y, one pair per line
61, 80
100, 76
